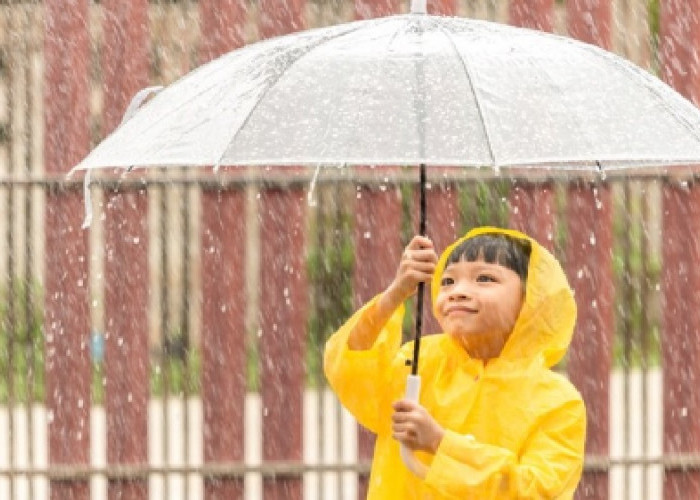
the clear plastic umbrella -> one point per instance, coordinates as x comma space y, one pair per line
407, 90
414, 90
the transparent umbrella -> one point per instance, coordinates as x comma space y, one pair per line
414, 90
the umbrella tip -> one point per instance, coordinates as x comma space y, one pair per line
419, 7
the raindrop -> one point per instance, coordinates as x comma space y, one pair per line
49, 416
259, 332
80, 283
286, 292
274, 327
367, 235
594, 304
80, 403
579, 274
120, 341
684, 412
137, 240
223, 308
129, 397
265, 412
592, 239
516, 210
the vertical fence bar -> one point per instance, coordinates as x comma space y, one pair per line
126, 338
8, 319
223, 284
283, 298
223, 24
532, 204
184, 329
591, 22
28, 286
680, 334
442, 7
125, 72
678, 43
368, 9
283, 315
533, 14
532, 211
645, 324
589, 267
164, 337
377, 238
628, 291
67, 322
316, 338
223, 334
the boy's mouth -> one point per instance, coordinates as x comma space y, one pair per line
460, 309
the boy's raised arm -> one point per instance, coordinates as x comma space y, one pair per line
417, 265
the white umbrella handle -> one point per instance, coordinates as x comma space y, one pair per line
413, 464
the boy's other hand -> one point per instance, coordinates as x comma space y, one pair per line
414, 427
417, 265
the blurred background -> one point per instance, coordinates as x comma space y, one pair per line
173, 349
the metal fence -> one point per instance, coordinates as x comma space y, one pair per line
182, 411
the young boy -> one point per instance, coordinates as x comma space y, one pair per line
493, 421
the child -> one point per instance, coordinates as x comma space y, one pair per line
493, 421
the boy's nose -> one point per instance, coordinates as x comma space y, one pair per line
461, 291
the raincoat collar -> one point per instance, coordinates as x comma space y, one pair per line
544, 328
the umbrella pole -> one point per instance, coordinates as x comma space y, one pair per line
413, 381
421, 286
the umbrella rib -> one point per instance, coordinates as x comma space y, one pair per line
276, 80
470, 79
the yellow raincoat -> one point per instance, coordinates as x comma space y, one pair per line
514, 429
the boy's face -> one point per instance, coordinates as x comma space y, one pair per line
479, 302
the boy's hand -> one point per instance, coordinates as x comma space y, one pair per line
417, 265
413, 426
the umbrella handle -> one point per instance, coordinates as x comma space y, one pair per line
412, 463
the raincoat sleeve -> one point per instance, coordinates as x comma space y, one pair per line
359, 377
549, 465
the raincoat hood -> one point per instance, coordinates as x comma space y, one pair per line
546, 322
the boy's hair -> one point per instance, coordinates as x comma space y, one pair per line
494, 248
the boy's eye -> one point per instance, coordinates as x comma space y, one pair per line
485, 278
447, 281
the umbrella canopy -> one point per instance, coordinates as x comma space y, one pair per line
413, 89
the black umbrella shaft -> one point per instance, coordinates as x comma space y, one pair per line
421, 285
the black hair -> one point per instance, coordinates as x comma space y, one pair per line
495, 248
